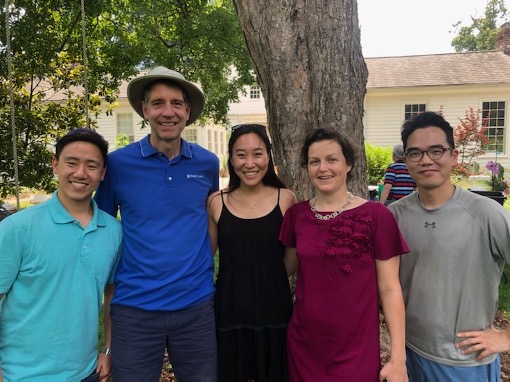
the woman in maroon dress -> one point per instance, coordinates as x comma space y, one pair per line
346, 252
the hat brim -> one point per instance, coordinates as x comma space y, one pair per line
137, 85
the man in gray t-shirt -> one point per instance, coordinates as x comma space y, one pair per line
459, 243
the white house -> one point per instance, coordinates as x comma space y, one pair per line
397, 88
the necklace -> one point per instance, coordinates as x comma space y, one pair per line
313, 203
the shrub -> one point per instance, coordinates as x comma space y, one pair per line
378, 159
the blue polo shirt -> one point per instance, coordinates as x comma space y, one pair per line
53, 273
166, 261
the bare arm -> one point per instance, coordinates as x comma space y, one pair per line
385, 193
104, 361
392, 302
213, 212
290, 260
487, 342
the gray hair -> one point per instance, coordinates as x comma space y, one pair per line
398, 151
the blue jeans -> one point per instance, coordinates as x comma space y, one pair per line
421, 369
139, 339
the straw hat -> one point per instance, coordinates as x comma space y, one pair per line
138, 84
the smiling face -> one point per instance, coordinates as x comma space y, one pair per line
167, 113
250, 159
431, 174
327, 167
79, 169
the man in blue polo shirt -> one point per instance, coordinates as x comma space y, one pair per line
55, 261
164, 282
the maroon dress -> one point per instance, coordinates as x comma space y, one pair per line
333, 334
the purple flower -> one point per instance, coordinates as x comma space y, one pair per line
493, 167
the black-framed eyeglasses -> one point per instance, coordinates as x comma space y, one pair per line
434, 153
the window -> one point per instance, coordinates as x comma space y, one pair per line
222, 142
254, 91
494, 112
190, 135
125, 126
412, 109
209, 140
216, 148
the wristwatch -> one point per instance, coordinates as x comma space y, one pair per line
107, 351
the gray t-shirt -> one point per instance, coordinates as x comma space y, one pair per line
451, 276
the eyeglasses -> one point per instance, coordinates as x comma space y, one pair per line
434, 153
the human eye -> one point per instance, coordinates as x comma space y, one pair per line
313, 162
332, 160
413, 154
436, 151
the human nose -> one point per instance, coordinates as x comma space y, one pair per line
168, 110
425, 158
80, 171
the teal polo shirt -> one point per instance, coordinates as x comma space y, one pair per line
53, 274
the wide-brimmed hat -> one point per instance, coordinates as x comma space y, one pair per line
138, 84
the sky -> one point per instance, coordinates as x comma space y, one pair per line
412, 27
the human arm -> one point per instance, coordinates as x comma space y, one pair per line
487, 342
290, 260
213, 212
104, 361
392, 302
385, 193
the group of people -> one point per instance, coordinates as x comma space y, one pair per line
431, 261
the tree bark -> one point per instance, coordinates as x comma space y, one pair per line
308, 60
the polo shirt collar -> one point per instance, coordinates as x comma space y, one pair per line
147, 150
61, 216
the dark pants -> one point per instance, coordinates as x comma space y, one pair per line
93, 377
139, 339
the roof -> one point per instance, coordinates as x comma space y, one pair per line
489, 67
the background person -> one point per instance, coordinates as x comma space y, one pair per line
397, 181
459, 243
253, 301
164, 282
55, 260
346, 252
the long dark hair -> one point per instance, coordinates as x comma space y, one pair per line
270, 178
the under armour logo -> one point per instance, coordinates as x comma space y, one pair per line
427, 224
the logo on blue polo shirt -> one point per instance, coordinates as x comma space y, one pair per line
195, 176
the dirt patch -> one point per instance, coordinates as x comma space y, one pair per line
500, 322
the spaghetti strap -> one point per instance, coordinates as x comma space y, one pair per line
278, 201
222, 201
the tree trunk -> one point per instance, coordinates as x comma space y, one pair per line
308, 61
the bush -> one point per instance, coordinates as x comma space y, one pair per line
378, 159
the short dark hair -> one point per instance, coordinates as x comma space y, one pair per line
348, 147
83, 135
270, 178
427, 119
169, 83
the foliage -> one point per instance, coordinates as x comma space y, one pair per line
469, 136
481, 34
201, 39
122, 140
378, 159
497, 181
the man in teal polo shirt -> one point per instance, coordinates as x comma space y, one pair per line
56, 259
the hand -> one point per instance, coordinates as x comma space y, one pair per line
103, 367
393, 372
487, 342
